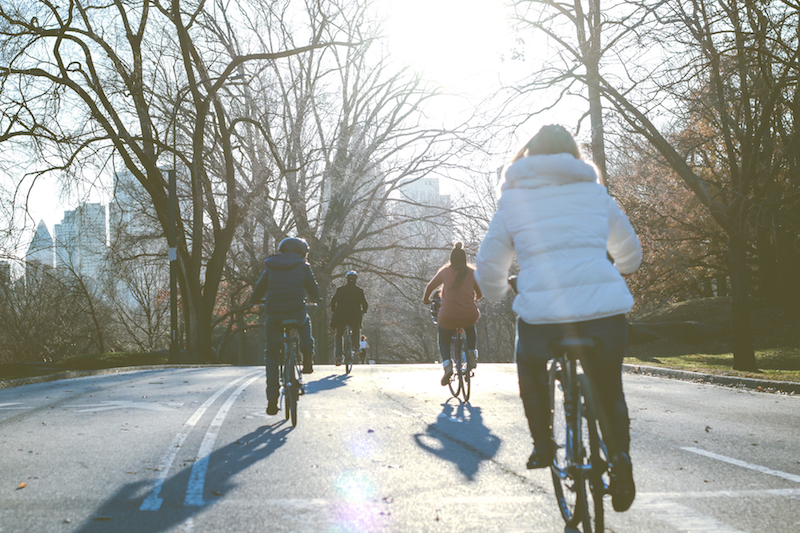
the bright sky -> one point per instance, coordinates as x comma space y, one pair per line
454, 42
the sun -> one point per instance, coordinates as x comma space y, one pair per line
449, 41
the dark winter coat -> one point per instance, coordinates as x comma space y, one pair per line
286, 281
348, 304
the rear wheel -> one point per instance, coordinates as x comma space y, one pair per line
348, 351
567, 479
596, 478
466, 379
456, 380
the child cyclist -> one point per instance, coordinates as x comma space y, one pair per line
563, 226
285, 285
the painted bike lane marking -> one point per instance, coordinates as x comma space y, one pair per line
153, 500
743, 464
197, 479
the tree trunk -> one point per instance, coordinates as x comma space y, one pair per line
743, 355
768, 278
788, 271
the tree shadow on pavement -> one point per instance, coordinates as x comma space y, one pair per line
459, 436
121, 512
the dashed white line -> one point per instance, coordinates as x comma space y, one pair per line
743, 464
683, 518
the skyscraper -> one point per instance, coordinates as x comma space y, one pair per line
40, 252
80, 240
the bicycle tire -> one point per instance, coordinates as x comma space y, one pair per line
456, 381
466, 379
598, 459
348, 353
567, 481
287, 382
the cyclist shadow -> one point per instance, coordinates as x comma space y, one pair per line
459, 436
326, 383
222, 467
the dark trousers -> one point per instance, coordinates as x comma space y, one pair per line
274, 345
446, 340
604, 371
355, 339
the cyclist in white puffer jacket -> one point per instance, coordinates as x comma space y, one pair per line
563, 226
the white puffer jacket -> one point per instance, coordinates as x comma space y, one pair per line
560, 222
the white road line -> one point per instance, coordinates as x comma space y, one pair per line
683, 518
12, 405
197, 479
743, 464
153, 501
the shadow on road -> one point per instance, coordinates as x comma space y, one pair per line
460, 437
121, 513
326, 383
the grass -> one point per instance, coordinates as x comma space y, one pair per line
82, 362
776, 338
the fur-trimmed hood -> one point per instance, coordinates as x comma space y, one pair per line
548, 170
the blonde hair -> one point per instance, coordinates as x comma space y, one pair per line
551, 139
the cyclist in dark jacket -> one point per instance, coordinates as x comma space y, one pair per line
285, 285
348, 304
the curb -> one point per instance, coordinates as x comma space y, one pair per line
763, 385
9, 383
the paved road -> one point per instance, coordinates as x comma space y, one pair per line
191, 450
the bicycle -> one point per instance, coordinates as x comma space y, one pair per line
461, 379
289, 374
581, 465
579, 432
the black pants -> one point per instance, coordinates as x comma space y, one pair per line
604, 371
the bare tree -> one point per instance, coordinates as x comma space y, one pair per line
85, 82
717, 99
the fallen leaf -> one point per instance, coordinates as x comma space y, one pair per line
22, 485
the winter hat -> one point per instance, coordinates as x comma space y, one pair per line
458, 257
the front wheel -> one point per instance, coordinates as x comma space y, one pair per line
348, 351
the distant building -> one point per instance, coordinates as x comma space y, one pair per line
40, 252
80, 240
5, 272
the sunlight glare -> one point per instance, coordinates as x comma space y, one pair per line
448, 40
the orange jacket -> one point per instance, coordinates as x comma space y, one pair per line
458, 308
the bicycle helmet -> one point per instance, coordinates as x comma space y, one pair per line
293, 244
351, 275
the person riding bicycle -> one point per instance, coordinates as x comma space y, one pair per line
285, 285
559, 219
348, 305
459, 293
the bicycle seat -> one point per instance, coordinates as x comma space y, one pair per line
573, 346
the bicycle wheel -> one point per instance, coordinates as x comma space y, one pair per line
348, 351
567, 478
456, 380
289, 388
597, 467
466, 379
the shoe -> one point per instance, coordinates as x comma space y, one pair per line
308, 369
539, 459
472, 359
272, 407
339, 360
621, 486
448, 373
